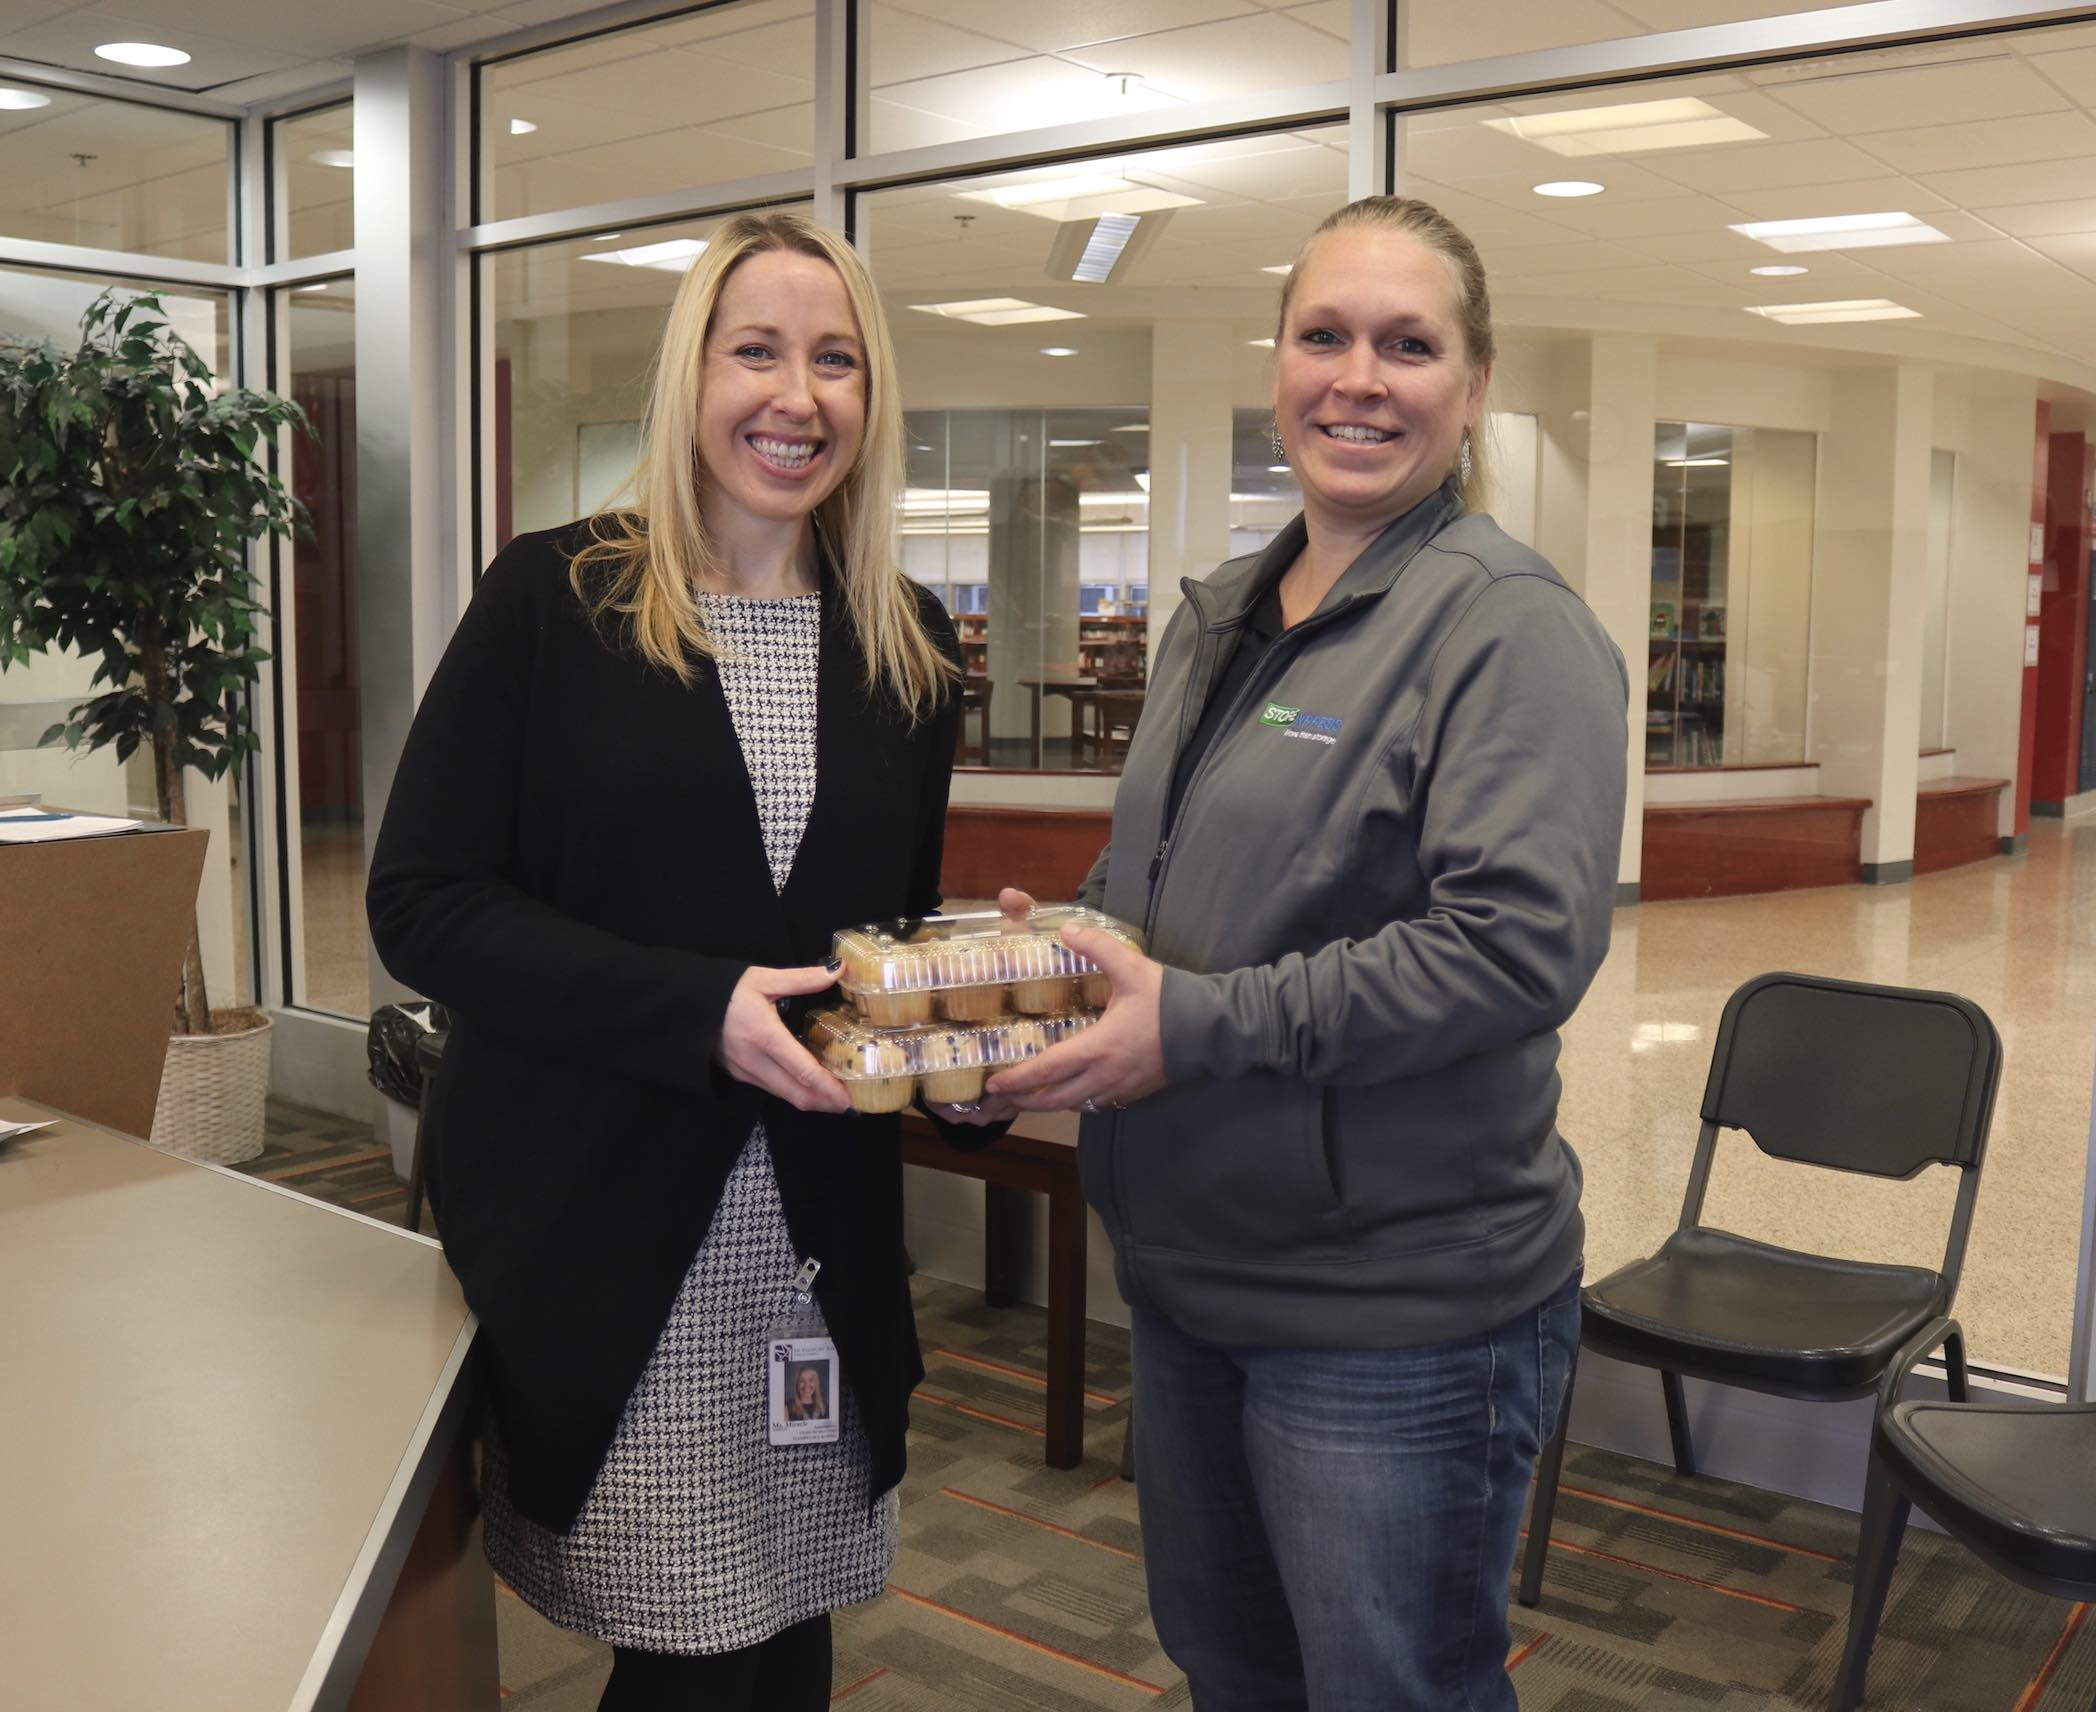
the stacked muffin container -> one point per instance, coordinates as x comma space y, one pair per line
941, 1001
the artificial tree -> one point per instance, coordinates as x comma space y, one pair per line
131, 490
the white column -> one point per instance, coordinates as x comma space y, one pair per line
1984, 616
1868, 577
406, 568
1190, 438
1594, 517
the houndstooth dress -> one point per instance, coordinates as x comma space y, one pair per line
700, 1536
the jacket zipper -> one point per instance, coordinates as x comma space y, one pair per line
1290, 638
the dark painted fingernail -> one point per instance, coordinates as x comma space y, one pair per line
833, 965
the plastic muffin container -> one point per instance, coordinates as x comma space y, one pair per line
973, 968
883, 1068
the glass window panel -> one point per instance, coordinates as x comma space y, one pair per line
576, 326
37, 695
314, 184
1436, 32
323, 707
113, 175
703, 98
1078, 448
939, 71
1791, 468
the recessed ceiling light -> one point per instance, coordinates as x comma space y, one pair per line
1058, 351
1073, 442
1629, 128
1285, 267
1279, 470
606, 237
21, 100
1133, 428
1697, 463
141, 53
1779, 270
673, 255
1066, 195
322, 286
1569, 187
333, 157
1845, 309
1261, 344
997, 311
521, 127
1842, 232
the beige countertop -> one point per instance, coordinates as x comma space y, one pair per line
218, 1402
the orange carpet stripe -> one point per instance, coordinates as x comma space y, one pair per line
1026, 1641
978, 1414
2036, 1686
328, 1165
1706, 1527
1687, 1580
1037, 1522
390, 1193
1104, 1399
854, 1687
1108, 1481
1515, 1657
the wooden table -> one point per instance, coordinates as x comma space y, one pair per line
1075, 688
1038, 1154
236, 1425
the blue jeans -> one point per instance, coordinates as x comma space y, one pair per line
1332, 1529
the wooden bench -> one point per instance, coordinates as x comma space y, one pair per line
1956, 820
1756, 844
1038, 1155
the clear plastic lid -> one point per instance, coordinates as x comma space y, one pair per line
937, 953
856, 1051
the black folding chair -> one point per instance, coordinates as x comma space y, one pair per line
2015, 1482
1880, 1080
429, 1055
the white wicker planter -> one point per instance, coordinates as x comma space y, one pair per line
212, 1091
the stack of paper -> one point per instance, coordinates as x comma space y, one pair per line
42, 826
9, 1131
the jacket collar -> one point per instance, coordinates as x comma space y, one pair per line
1225, 601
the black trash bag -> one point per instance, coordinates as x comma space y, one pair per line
390, 1046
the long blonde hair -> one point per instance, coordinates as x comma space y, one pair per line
645, 558
1422, 220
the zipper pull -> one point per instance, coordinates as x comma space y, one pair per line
1157, 861
804, 1280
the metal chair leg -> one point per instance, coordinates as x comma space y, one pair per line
412, 1220
1677, 1424
1542, 1509
1877, 1551
1955, 1377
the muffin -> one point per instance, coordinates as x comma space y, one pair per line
1042, 997
983, 1003
948, 1079
1024, 1040
893, 1010
888, 1084
1094, 988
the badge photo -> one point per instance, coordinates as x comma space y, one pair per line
803, 1391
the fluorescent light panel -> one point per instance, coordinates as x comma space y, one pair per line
997, 311
673, 255
1842, 232
1629, 128
1846, 309
1079, 196
1109, 238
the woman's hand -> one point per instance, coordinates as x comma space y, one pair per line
757, 1048
1119, 1059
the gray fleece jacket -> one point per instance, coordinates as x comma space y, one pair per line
1388, 883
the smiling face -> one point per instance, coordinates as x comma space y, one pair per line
782, 404
804, 1386
1372, 384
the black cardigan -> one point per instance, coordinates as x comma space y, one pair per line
572, 861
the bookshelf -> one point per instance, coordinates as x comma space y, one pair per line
1688, 634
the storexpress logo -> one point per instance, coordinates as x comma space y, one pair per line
1294, 722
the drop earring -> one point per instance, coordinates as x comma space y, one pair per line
1273, 434
1463, 463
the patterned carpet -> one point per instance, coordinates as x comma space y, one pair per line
1021, 1587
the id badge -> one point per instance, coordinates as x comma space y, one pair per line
802, 1376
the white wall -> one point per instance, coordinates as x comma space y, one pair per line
1935, 608
1770, 618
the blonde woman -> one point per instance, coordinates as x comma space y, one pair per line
668, 751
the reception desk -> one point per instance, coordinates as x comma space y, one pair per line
233, 1442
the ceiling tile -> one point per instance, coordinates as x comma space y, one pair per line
1264, 50
1999, 86
2043, 219
1439, 33
1763, 166
902, 46
2006, 186
1998, 142
1067, 23
1848, 196
2073, 71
